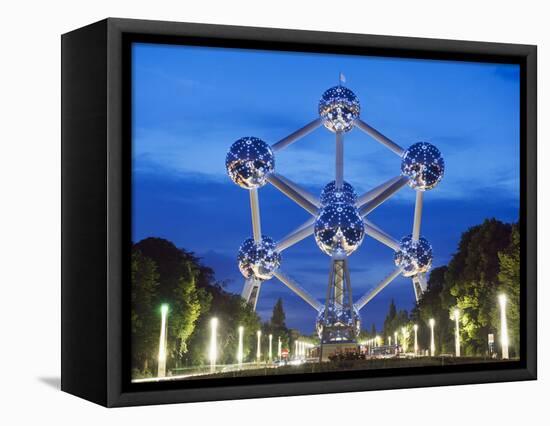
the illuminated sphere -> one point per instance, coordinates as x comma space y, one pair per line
258, 260
345, 194
339, 108
339, 229
341, 324
423, 164
249, 161
414, 257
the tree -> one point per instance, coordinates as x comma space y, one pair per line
509, 284
178, 273
144, 318
473, 279
278, 316
390, 319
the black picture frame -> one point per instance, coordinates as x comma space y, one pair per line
96, 183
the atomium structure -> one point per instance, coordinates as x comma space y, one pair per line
339, 217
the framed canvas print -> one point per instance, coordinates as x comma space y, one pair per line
252, 212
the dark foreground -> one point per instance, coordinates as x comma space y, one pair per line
369, 364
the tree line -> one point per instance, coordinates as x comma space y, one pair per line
486, 264
161, 273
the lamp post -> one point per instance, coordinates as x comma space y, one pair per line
258, 345
432, 339
279, 348
389, 340
162, 341
503, 326
457, 332
396, 341
240, 347
270, 342
213, 343
415, 328
296, 349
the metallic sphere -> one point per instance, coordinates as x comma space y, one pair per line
423, 164
249, 161
414, 257
258, 260
345, 194
339, 108
339, 229
339, 324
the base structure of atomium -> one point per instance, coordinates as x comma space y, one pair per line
339, 217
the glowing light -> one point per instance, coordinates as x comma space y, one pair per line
413, 257
339, 108
240, 347
213, 353
395, 339
432, 339
258, 345
249, 162
457, 332
162, 341
332, 194
339, 229
389, 340
270, 347
258, 259
503, 326
415, 328
279, 348
423, 164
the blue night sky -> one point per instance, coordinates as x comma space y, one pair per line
191, 103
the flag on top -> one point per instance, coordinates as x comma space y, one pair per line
342, 78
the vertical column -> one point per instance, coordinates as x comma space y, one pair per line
339, 159
417, 215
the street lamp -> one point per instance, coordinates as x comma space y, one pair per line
270, 340
432, 340
503, 326
415, 328
279, 349
389, 340
162, 341
240, 347
213, 343
457, 332
395, 340
258, 345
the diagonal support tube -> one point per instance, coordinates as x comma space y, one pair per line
300, 233
301, 191
418, 215
298, 134
279, 183
379, 137
369, 195
296, 288
371, 294
368, 207
255, 211
375, 232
